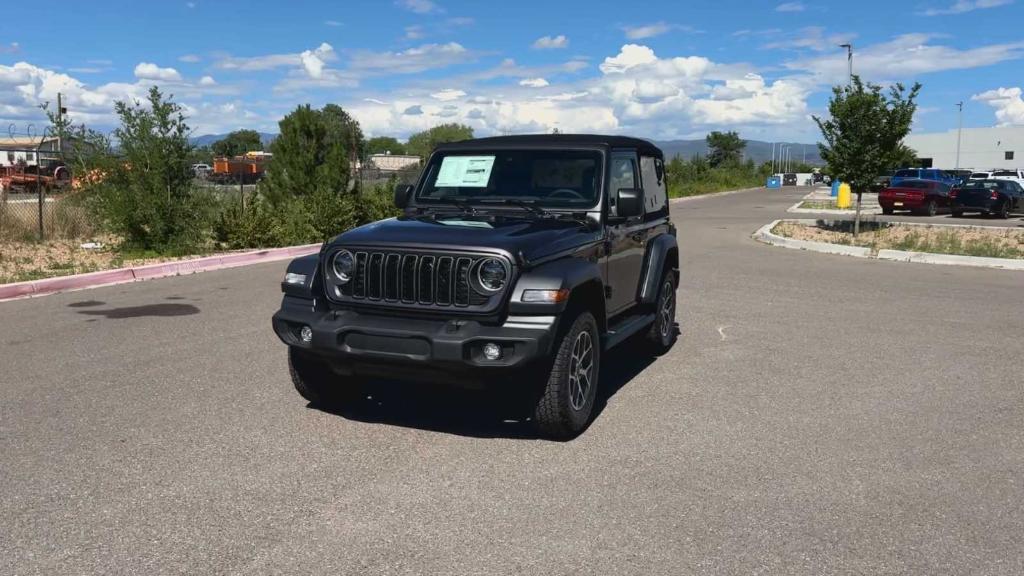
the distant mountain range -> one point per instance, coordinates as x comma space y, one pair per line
757, 150
207, 139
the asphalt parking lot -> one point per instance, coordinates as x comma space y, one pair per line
819, 414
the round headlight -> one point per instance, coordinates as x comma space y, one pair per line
491, 274
344, 265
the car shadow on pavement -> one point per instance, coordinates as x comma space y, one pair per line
476, 413
158, 310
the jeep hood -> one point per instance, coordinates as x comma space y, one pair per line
534, 238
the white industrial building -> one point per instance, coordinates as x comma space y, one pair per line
980, 148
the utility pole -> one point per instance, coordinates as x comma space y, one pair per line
959, 129
773, 158
849, 61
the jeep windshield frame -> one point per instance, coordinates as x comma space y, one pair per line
550, 178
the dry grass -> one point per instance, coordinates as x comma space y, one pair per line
22, 261
62, 219
992, 243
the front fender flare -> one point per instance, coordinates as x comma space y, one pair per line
566, 273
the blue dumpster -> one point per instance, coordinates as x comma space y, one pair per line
774, 182
835, 188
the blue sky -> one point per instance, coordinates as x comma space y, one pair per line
655, 69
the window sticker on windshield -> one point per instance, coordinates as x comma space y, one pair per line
465, 171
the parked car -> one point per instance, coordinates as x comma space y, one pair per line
926, 197
933, 174
519, 261
960, 175
882, 182
988, 197
201, 170
1013, 174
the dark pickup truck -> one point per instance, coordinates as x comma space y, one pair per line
518, 261
988, 197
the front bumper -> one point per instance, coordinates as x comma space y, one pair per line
403, 347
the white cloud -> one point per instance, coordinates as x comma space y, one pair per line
312, 62
189, 58
812, 38
414, 32
413, 60
419, 6
963, 6
1008, 105
630, 56
903, 57
207, 81
150, 71
533, 82
646, 31
790, 7
448, 94
551, 42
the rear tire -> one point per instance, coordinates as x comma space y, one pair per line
1004, 211
662, 334
957, 214
567, 402
887, 211
930, 209
314, 380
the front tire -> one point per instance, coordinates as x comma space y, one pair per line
567, 402
315, 381
957, 213
662, 334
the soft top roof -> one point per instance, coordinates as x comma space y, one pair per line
547, 140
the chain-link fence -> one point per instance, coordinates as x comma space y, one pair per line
370, 177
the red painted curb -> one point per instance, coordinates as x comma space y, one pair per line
149, 272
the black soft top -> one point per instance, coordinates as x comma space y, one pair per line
548, 140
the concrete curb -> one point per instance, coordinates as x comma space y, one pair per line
46, 286
713, 195
764, 234
951, 259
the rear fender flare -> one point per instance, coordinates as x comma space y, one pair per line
662, 255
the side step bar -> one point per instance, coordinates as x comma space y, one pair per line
627, 327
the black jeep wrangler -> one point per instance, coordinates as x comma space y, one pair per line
518, 260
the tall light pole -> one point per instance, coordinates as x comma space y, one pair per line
849, 60
959, 129
773, 158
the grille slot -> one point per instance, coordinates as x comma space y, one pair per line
415, 279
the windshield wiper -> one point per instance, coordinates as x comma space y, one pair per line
459, 203
525, 205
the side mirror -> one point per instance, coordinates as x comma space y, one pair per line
629, 202
402, 194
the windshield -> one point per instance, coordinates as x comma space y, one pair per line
906, 173
980, 185
554, 178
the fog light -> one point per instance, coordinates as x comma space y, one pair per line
306, 334
492, 351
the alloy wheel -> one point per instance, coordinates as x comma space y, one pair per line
581, 370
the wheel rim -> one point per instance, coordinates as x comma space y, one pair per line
666, 312
581, 370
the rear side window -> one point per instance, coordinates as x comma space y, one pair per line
1011, 173
906, 173
980, 175
652, 176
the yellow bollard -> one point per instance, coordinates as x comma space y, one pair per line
844, 196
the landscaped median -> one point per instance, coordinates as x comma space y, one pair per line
982, 246
150, 271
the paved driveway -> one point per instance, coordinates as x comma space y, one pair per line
819, 414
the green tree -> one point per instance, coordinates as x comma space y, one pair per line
724, 148
146, 197
343, 129
382, 144
311, 170
237, 143
864, 132
422, 143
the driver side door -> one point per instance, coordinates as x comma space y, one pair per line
626, 239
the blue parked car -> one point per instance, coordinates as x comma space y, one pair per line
933, 174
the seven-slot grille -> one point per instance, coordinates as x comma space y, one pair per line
425, 279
